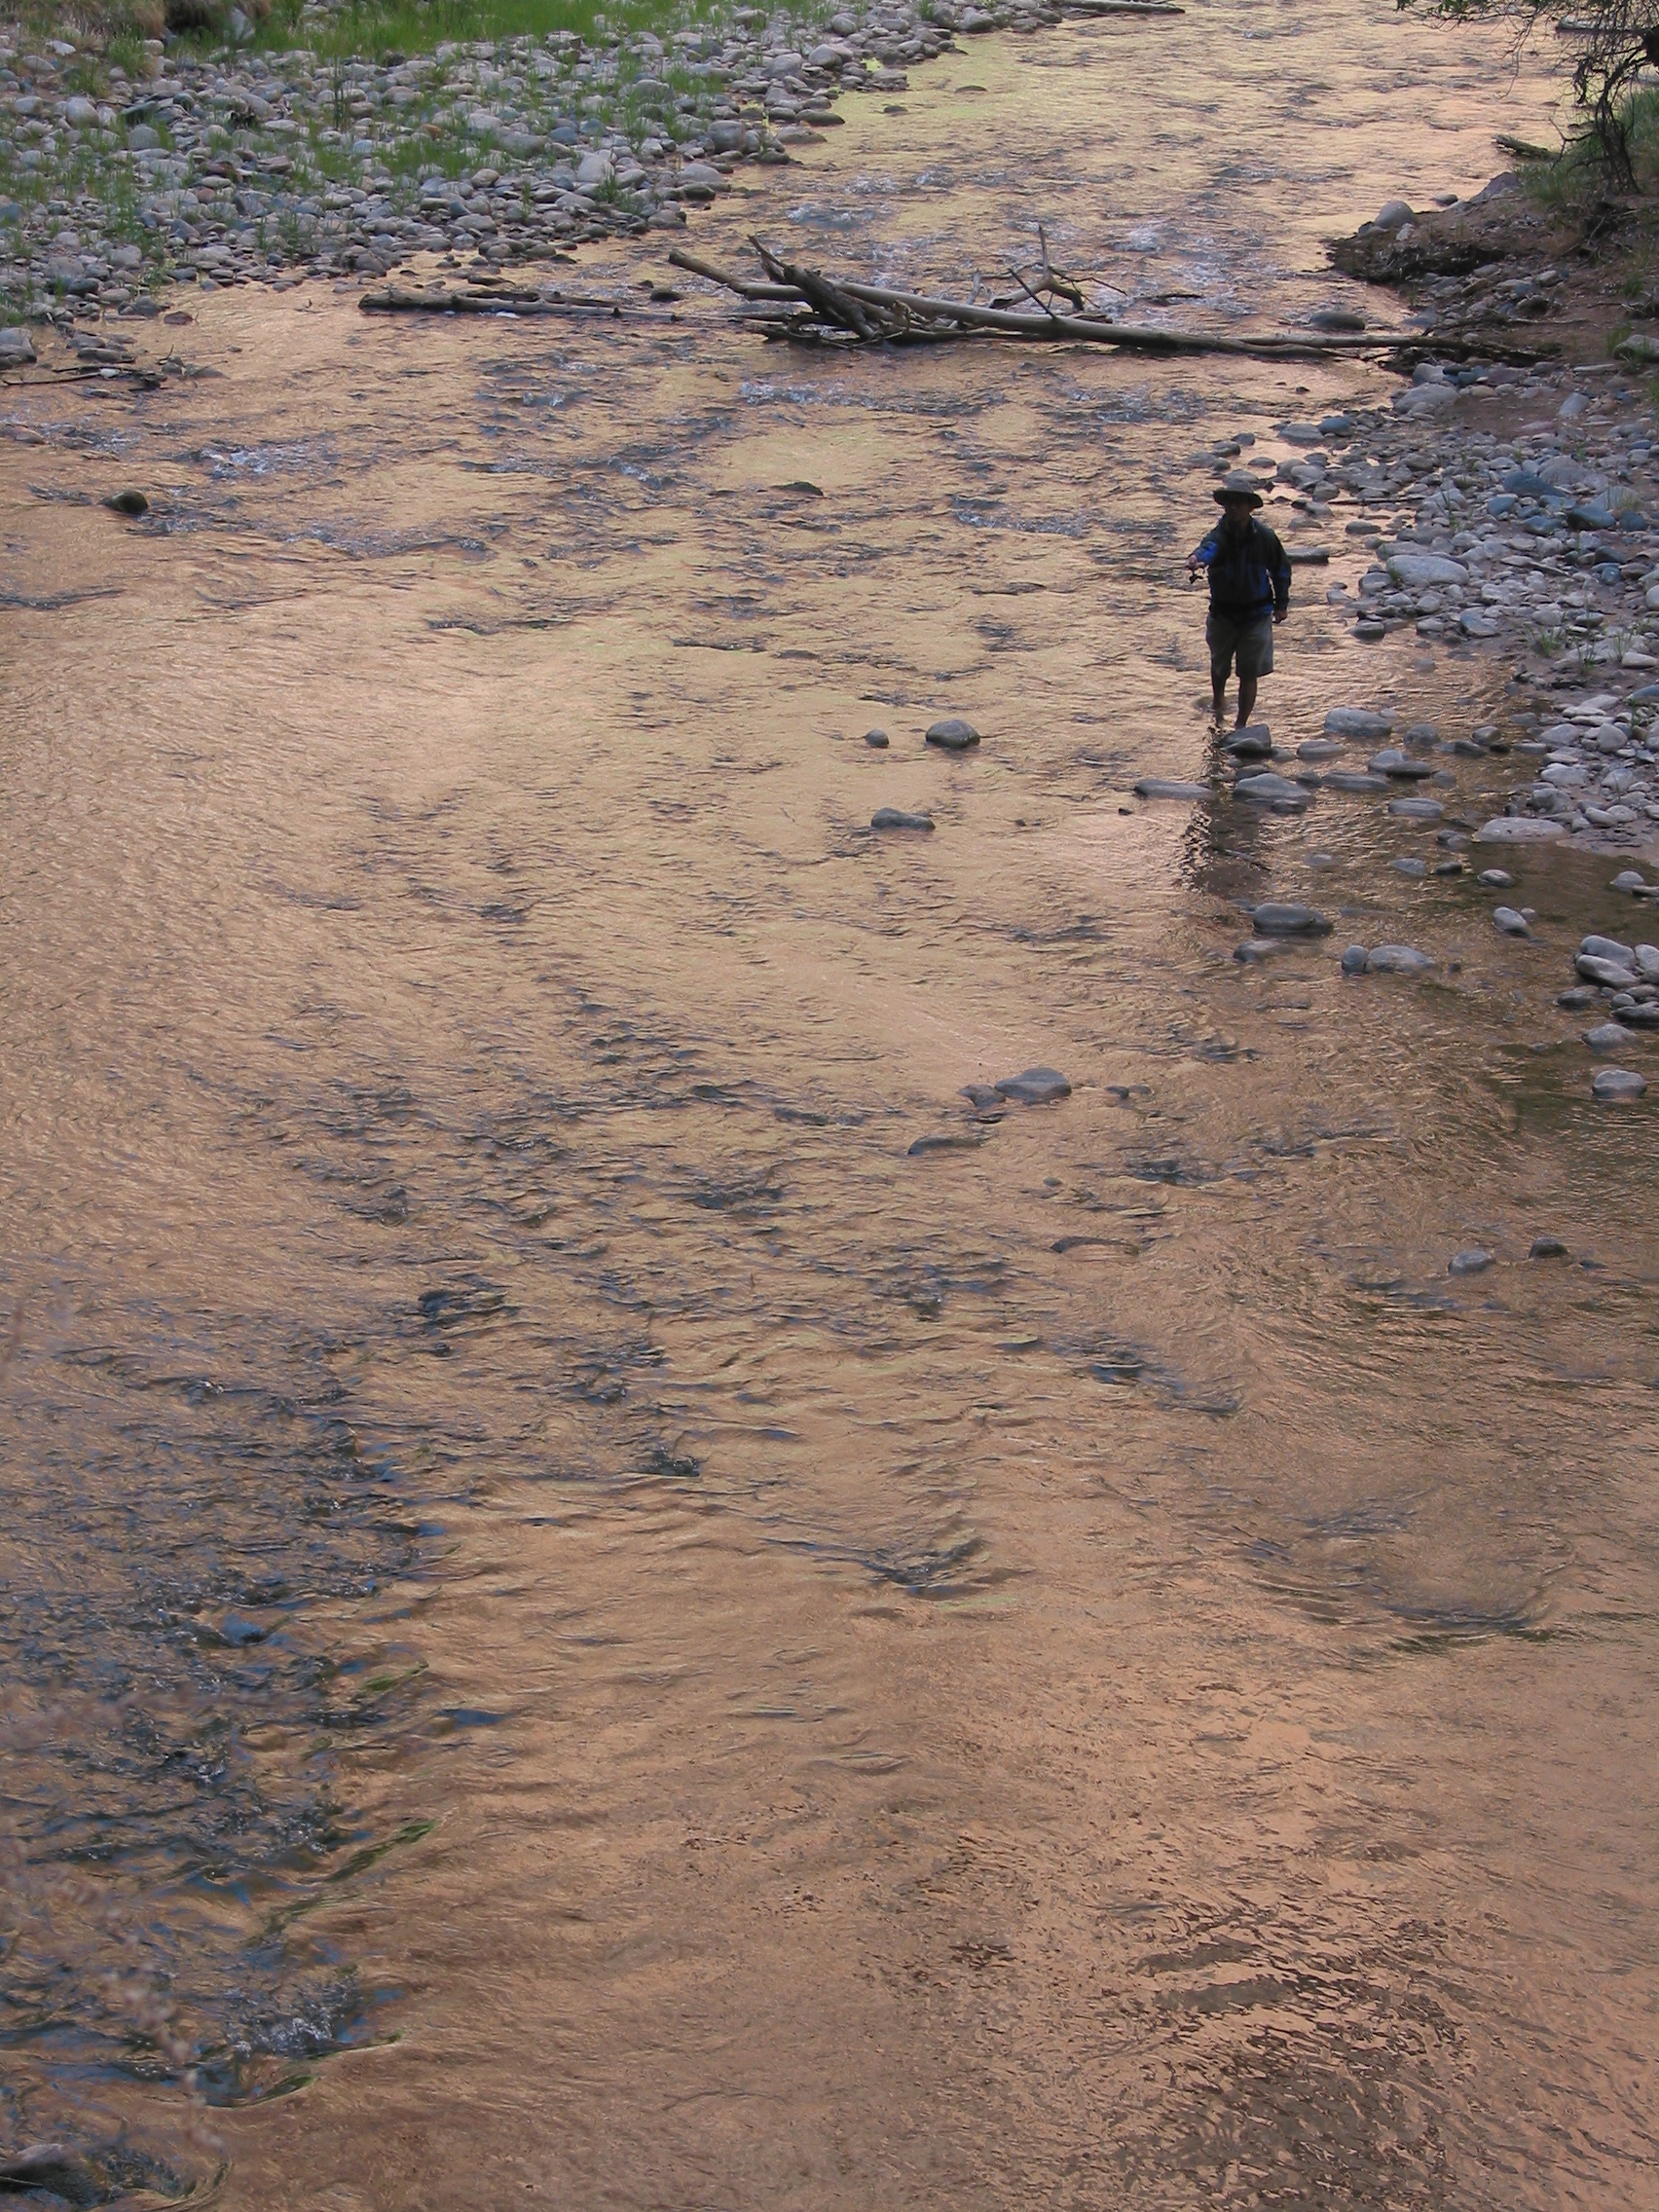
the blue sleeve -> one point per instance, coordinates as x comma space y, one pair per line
1204, 551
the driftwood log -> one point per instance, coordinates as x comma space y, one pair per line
503, 299
806, 305
845, 306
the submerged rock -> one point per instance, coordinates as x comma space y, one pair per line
952, 735
1036, 1087
1475, 1261
1276, 791
1397, 960
895, 818
1166, 787
1357, 722
1276, 919
1405, 766
1617, 1086
1254, 742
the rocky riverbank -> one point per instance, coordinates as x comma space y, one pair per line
254, 164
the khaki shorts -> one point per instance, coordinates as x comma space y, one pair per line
1252, 641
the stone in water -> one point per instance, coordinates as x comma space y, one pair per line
953, 735
1357, 722
1616, 1086
1036, 1087
1276, 791
895, 818
1166, 787
1475, 1261
1285, 920
1397, 960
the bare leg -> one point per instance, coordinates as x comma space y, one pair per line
1218, 692
1246, 700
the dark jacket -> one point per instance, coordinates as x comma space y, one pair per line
1247, 573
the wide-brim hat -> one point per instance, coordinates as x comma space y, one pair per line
1238, 488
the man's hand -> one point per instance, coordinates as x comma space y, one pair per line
1191, 571
1279, 614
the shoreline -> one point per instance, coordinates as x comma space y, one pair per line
279, 168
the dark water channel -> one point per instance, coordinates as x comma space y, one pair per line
580, 1624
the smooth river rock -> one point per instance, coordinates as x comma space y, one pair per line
895, 818
1473, 1261
1276, 791
1276, 919
1518, 830
1166, 787
1509, 921
1357, 722
1036, 1087
952, 735
1397, 960
1617, 1086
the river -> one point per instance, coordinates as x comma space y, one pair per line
584, 1626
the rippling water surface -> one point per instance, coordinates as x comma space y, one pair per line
581, 1623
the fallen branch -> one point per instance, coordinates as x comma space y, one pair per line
682, 259
396, 299
877, 310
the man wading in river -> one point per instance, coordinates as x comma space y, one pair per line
1249, 587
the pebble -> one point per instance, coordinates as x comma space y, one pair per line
1416, 809
1607, 1036
1391, 761
949, 1140
1408, 865
1036, 1087
1355, 780
1166, 787
1506, 919
1607, 972
1354, 959
1280, 919
952, 735
1397, 960
1318, 749
1275, 792
1473, 1261
895, 818
1518, 830
1252, 742
127, 503
1357, 722
876, 739
1496, 878
1616, 1086
1548, 1248
1609, 949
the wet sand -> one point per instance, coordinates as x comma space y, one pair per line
1080, 1667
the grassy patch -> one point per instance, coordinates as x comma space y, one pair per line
1578, 174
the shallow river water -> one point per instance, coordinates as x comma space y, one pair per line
581, 1624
